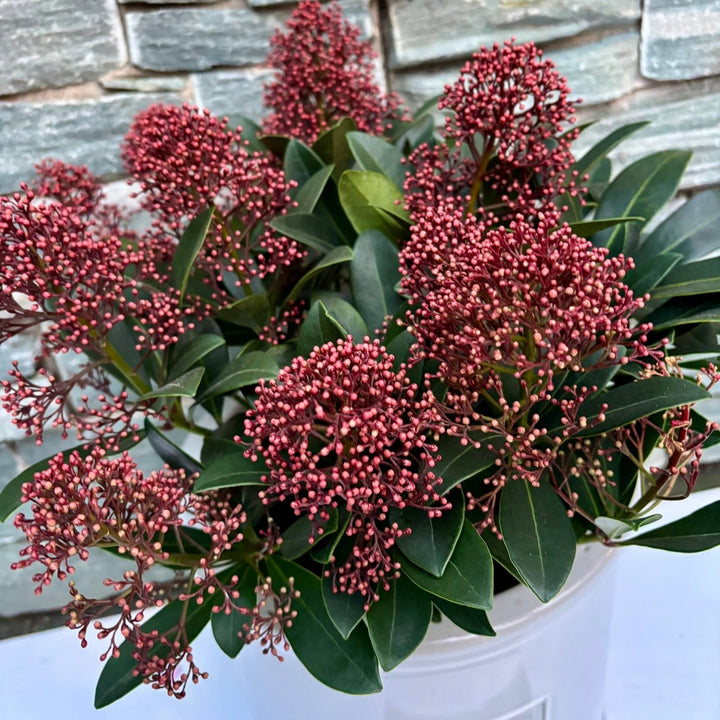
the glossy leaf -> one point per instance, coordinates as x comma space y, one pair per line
377, 155
597, 152
398, 621
343, 313
318, 328
459, 462
229, 629
301, 162
188, 249
308, 194
332, 146
636, 400
361, 192
345, 610
688, 310
117, 678
244, 370
651, 272
641, 189
184, 386
467, 579
538, 536
347, 665
431, 541
169, 452
374, 273
195, 349
231, 469
311, 230
694, 278
697, 532
690, 231
251, 312
588, 228
296, 539
469, 619
336, 256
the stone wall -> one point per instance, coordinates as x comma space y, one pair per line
74, 72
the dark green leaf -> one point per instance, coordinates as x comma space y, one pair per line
588, 228
244, 370
374, 273
346, 665
687, 310
459, 462
318, 328
332, 146
598, 151
232, 469
301, 163
169, 452
191, 352
377, 155
336, 256
469, 619
398, 622
311, 230
538, 536
690, 231
467, 580
251, 312
697, 532
188, 248
343, 313
431, 541
345, 610
117, 678
649, 273
694, 278
229, 629
296, 539
307, 195
641, 189
640, 399
184, 386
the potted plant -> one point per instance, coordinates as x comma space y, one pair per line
421, 367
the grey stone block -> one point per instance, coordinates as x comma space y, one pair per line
203, 38
87, 132
597, 72
680, 39
52, 43
428, 30
228, 93
144, 83
682, 117
198, 38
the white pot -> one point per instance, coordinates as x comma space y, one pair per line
546, 663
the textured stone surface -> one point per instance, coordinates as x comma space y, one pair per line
680, 39
143, 83
88, 132
426, 30
228, 93
684, 117
51, 43
597, 72
203, 38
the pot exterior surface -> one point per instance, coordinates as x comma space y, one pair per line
547, 663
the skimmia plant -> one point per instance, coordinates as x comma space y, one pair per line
410, 358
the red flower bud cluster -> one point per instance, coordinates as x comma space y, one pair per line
186, 160
325, 72
343, 429
510, 152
